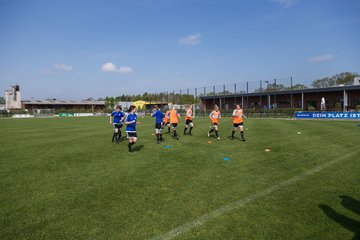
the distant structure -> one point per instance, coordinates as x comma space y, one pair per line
125, 105
357, 81
144, 105
13, 101
13, 98
60, 105
348, 97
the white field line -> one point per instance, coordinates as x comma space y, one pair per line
251, 198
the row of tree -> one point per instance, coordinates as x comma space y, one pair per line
164, 97
337, 79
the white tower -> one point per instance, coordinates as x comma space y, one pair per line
13, 98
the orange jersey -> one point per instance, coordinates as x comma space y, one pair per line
237, 116
174, 117
214, 116
166, 118
188, 115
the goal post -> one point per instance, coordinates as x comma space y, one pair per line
44, 113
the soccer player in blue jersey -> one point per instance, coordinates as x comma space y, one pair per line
130, 122
116, 118
158, 122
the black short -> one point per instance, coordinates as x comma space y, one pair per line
174, 125
131, 134
188, 122
157, 125
238, 124
117, 125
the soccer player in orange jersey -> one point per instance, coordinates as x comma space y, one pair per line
188, 119
174, 119
238, 122
215, 115
166, 121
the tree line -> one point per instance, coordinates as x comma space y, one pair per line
163, 97
344, 78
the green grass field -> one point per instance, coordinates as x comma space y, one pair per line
62, 178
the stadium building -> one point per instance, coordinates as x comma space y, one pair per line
86, 106
345, 97
14, 102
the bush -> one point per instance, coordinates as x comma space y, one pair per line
358, 108
311, 108
5, 113
337, 106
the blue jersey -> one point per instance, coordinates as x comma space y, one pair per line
132, 126
117, 116
159, 116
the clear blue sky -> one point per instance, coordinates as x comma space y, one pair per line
74, 49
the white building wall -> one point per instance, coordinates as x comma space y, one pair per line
12, 99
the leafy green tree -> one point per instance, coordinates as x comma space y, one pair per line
298, 87
187, 98
337, 106
275, 87
226, 92
340, 78
110, 103
135, 98
346, 77
270, 88
145, 96
323, 82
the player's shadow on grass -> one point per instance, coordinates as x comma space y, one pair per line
347, 222
137, 148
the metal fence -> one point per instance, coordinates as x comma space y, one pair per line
239, 91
